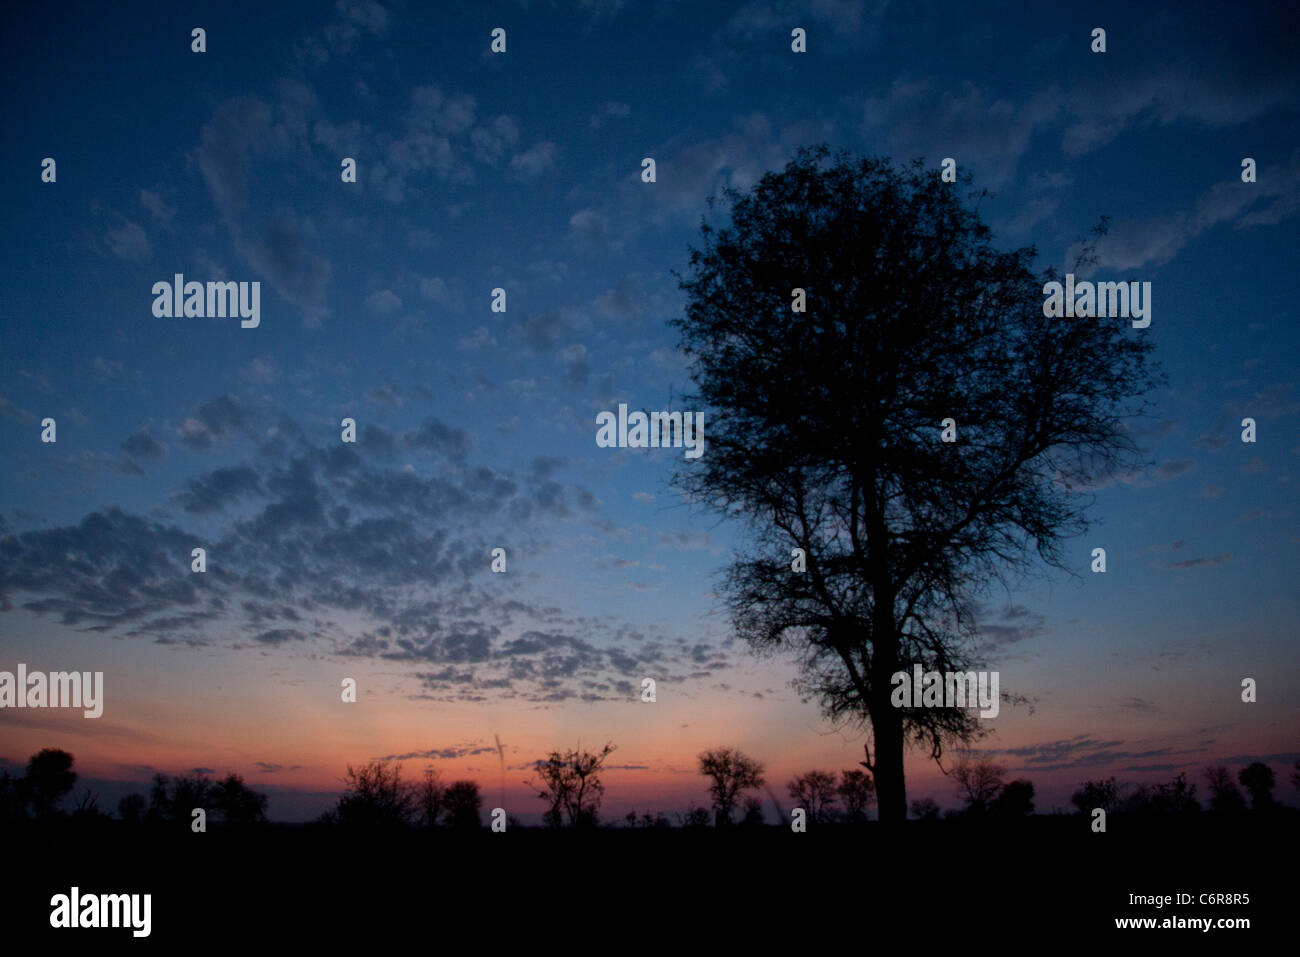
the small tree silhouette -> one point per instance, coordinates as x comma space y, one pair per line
1176, 797
752, 812
463, 802
13, 805
731, 772
693, 818
131, 808
238, 805
189, 791
857, 792
978, 782
815, 792
925, 809
571, 786
49, 778
429, 798
1097, 794
1016, 799
376, 796
1258, 780
1225, 797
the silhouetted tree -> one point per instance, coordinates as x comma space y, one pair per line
376, 796
825, 427
13, 804
1176, 797
1224, 794
693, 818
238, 805
647, 819
86, 809
462, 802
815, 792
160, 805
1097, 794
925, 809
571, 786
978, 781
752, 812
189, 791
1016, 799
48, 779
857, 792
1258, 780
131, 808
731, 772
429, 798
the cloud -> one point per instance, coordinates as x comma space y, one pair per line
438, 290
589, 224
533, 162
1275, 401
108, 368
212, 421
1155, 241
979, 129
324, 550
160, 210
1212, 83
444, 754
1013, 624
280, 636
383, 303
1200, 562
576, 366
1082, 751
269, 768
278, 243
608, 111
11, 410
129, 242
1174, 468
492, 140
385, 395
218, 490
141, 445
365, 13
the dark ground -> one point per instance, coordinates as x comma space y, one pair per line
949, 886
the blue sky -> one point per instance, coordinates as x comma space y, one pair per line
522, 171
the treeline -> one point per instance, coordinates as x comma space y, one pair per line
49, 778
376, 796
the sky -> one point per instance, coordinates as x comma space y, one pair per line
476, 428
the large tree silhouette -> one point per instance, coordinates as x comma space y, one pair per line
824, 429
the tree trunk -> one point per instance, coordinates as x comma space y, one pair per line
886, 720
891, 791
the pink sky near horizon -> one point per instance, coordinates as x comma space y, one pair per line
245, 711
